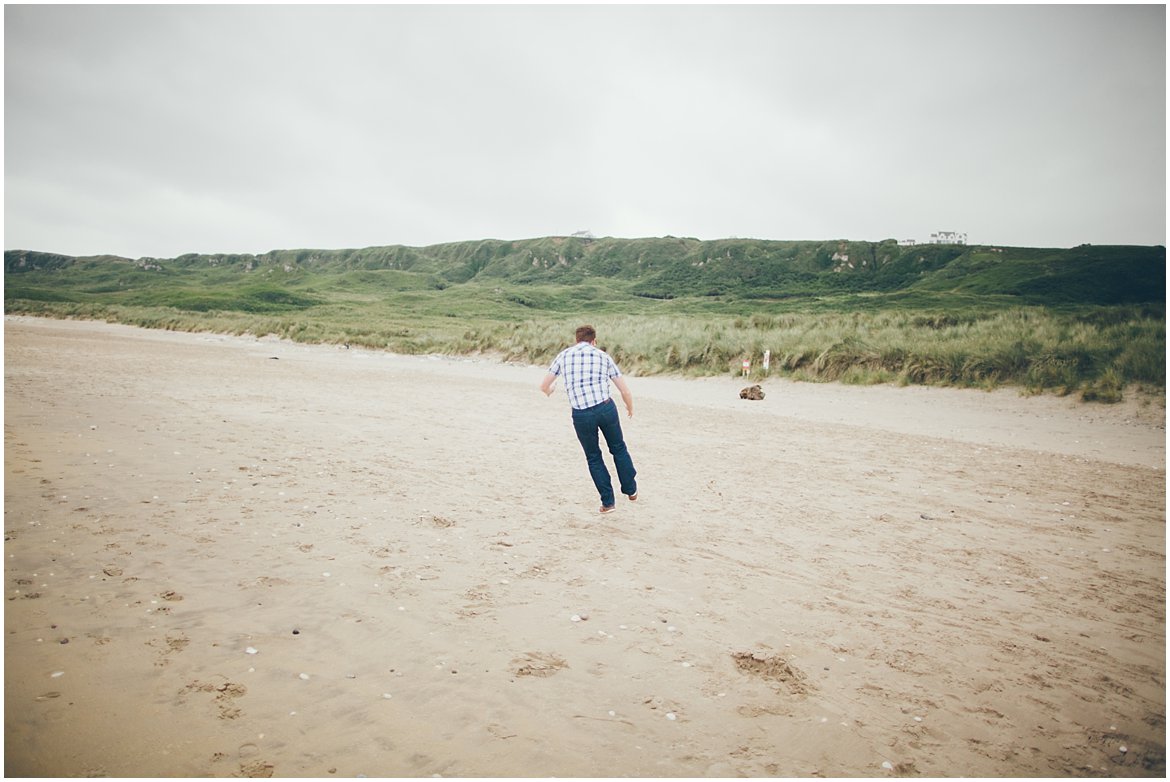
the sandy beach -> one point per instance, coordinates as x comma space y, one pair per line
237, 556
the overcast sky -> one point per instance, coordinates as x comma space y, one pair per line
161, 130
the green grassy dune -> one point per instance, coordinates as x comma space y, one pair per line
1087, 320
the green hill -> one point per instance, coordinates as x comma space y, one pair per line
667, 268
1089, 317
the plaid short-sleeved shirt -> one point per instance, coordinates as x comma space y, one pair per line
586, 370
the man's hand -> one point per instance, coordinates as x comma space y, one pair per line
546, 385
627, 397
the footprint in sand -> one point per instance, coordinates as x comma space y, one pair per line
773, 668
257, 769
539, 664
224, 696
172, 644
479, 603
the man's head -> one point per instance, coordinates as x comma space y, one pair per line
586, 334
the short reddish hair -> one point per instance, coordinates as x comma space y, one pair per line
586, 334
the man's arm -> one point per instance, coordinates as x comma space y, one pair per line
627, 397
546, 385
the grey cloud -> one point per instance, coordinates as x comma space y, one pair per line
158, 130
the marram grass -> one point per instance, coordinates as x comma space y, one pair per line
1097, 352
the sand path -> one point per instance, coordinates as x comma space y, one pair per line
236, 556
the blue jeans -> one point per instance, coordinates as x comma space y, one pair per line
604, 418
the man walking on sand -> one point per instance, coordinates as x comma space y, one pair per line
587, 371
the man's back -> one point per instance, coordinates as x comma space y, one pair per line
586, 370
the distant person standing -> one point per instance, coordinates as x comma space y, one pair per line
587, 371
